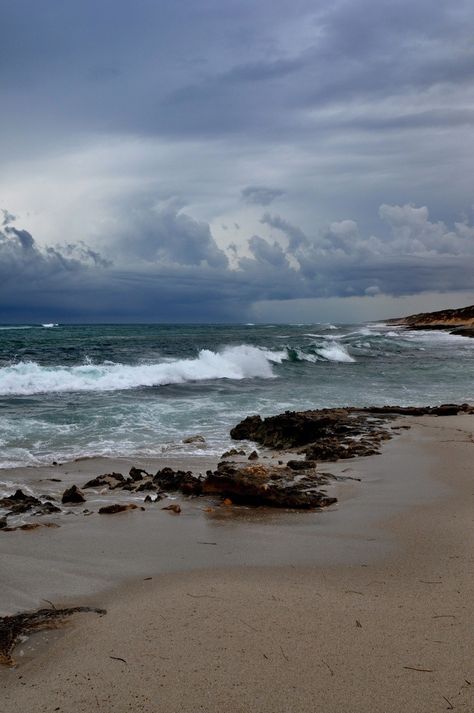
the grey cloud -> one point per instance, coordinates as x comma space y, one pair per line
163, 233
273, 254
261, 195
295, 235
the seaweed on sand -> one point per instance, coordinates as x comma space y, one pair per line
13, 627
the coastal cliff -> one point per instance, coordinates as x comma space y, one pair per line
457, 321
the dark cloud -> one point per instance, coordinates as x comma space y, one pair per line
194, 281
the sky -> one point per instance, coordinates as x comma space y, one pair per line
228, 161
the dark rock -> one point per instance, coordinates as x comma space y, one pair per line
301, 464
112, 480
330, 434
253, 456
3, 522
19, 503
291, 429
137, 474
115, 508
73, 495
169, 479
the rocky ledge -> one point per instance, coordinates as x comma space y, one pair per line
331, 434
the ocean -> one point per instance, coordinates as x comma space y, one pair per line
137, 390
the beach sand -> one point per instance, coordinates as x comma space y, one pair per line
367, 607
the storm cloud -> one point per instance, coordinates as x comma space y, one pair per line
175, 160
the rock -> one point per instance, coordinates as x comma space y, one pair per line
3, 522
48, 508
290, 429
73, 495
19, 503
194, 439
169, 479
137, 473
253, 455
146, 485
300, 464
174, 507
112, 480
115, 508
265, 485
233, 452
330, 434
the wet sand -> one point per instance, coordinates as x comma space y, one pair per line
365, 607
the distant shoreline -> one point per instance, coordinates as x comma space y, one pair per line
456, 321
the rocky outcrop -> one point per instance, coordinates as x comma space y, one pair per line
459, 321
331, 434
294, 486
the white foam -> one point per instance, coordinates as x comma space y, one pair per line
50, 324
335, 352
237, 362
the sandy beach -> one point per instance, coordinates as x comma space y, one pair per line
367, 606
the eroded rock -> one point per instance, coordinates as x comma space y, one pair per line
266, 485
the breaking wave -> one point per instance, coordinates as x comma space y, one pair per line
239, 362
335, 352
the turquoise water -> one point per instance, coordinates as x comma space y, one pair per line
132, 390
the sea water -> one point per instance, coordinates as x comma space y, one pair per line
138, 390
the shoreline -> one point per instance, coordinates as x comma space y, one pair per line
408, 593
94, 554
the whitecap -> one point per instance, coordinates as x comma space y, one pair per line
335, 352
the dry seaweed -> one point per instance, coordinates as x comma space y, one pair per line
13, 627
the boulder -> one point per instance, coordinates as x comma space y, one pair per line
73, 495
